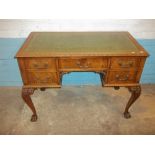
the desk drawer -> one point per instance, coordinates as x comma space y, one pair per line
40, 63
116, 77
42, 78
83, 63
124, 63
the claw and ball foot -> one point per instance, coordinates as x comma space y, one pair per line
34, 118
26, 95
127, 115
135, 93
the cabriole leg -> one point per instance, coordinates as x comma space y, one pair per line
26, 95
135, 93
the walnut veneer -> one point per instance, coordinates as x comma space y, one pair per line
46, 56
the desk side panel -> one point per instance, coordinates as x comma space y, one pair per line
22, 70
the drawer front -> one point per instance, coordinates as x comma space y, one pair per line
83, 63
115, 77
40, 63
124, 63
41, 78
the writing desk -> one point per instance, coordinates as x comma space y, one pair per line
46, 56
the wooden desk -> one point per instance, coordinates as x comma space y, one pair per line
46, 56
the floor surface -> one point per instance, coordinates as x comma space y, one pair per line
79, 110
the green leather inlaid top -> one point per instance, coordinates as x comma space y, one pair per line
80, 42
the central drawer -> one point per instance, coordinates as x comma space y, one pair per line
82, 63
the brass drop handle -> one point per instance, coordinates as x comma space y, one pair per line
43, 80
122, 79
35, 65
37, 79
79, 64
86, 65
44, 66
48, 78
125, 64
